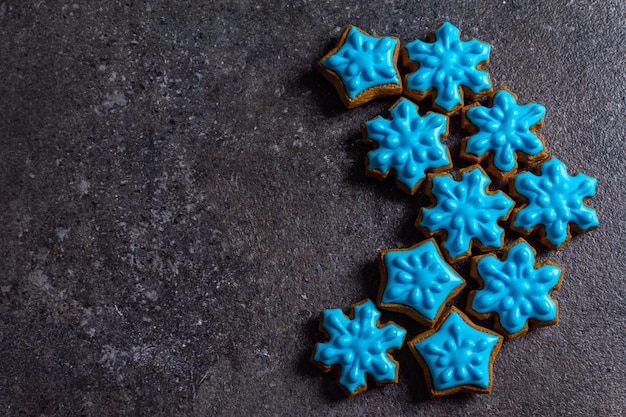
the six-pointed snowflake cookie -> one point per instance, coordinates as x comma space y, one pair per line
465, 213
553, 202
446, 68
417, 281
504, 132
515, 290
457, 355
408, 144
362, 67
358, 346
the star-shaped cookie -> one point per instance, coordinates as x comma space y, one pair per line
362, 67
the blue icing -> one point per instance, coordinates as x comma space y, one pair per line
555, 199
504, 129
465, 210
363, 62
447, 65
359, 346
419, 278
458, 354
408, 144
515, 289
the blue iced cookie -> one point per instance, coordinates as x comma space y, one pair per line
407, 144
358, 346
503, 133
515, 290
447, 69
465, 213
417, 281
457, 355
362, 67
553, 202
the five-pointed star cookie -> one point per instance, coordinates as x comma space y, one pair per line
362, 67
456, 355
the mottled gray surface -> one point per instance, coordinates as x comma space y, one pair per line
182, 194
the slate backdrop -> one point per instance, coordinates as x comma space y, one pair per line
182, 194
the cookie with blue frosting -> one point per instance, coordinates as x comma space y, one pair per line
447, 69
359, 347
407, 144
515, 290
457, 355
417, 281
503, 133
362, 67
554, 203
465, 213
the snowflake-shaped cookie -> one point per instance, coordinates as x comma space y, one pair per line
358, 346
446, 68
515, 290
501, 131
456, 355
554, 203
417, 281
408, 144
464, 211
362, 67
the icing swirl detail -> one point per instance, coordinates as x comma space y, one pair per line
408, 144
515, 289
364, 61
555, 199
465, 210
504, 128
359, 347
447, 65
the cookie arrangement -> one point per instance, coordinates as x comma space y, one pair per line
465, 217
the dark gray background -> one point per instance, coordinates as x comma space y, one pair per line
182, 194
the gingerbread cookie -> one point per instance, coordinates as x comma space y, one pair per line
447, 69
358, 346
362, 67
407, 144
515, 290
417, 281
457, 355
553, 202
465, 213
503, 132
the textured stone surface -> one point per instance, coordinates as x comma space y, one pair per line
182, 194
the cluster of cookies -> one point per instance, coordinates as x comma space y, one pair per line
456, 354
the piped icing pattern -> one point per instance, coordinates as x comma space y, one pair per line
504, 129
555, 200
457, 355
358, 346
446, 67
465, 210
515, 289
363, 62
417, 281
407, 143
